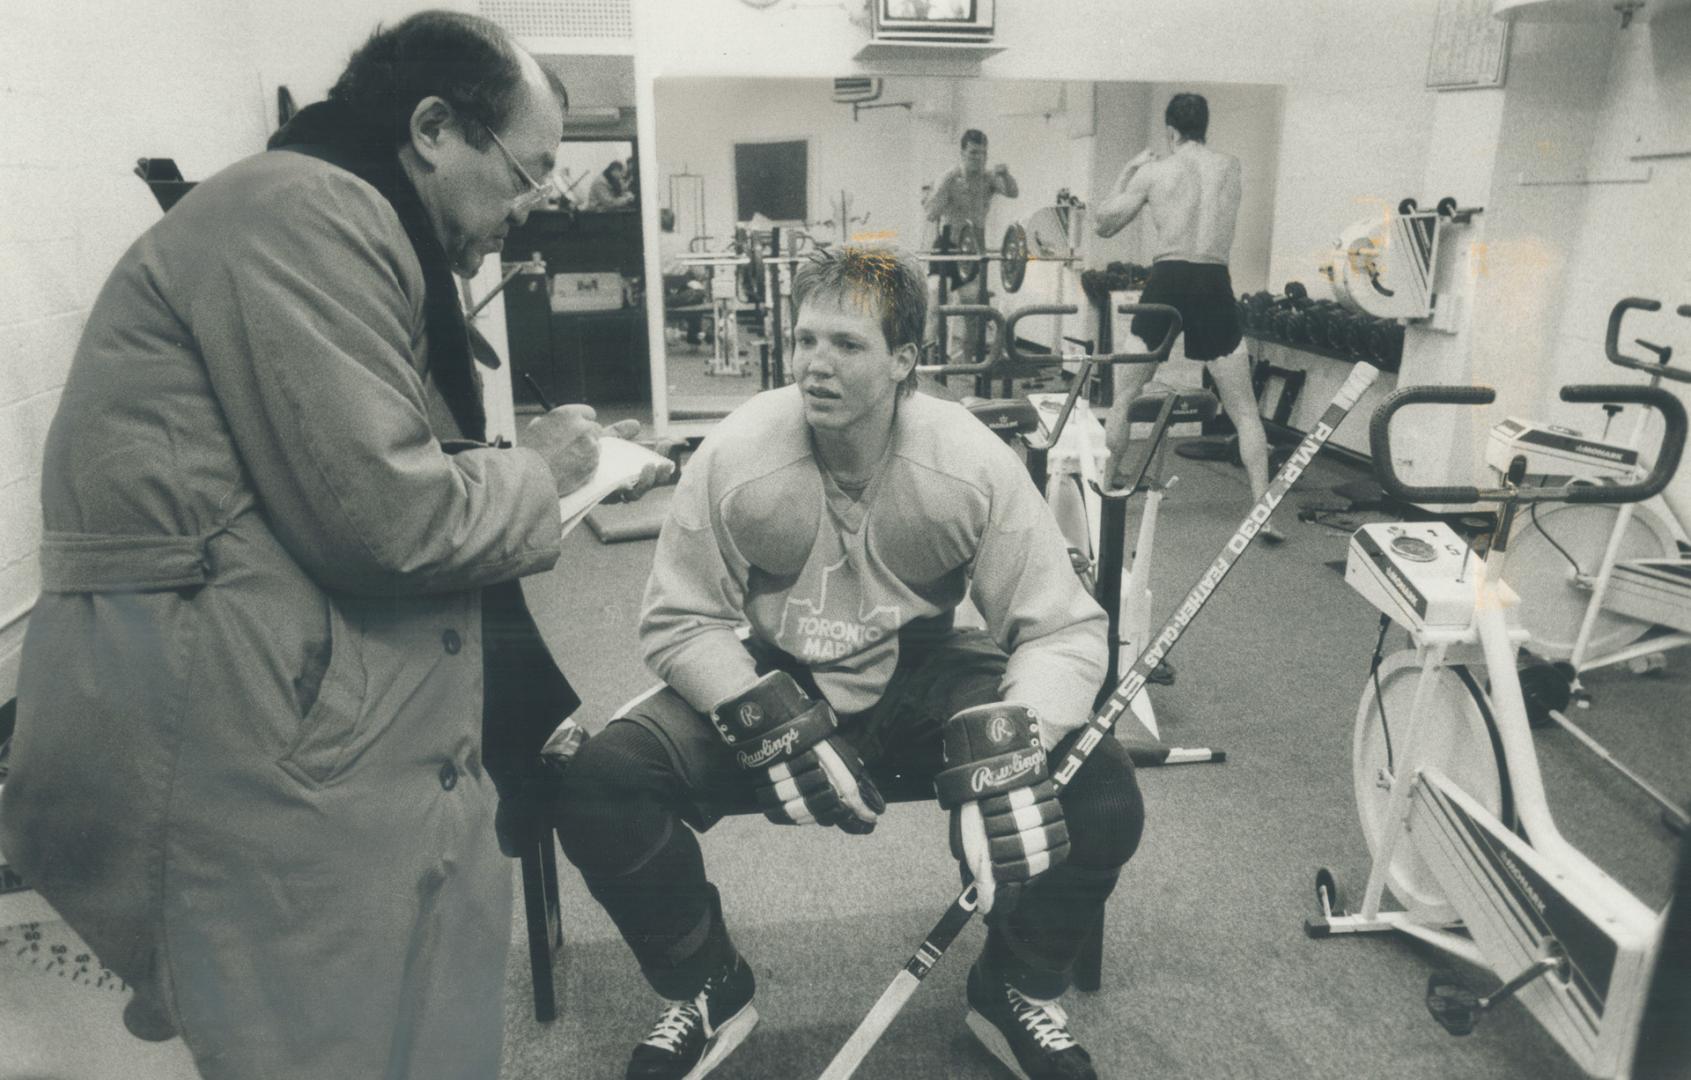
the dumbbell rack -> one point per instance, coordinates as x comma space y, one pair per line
1295, 321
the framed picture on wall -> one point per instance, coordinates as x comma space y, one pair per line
772, 179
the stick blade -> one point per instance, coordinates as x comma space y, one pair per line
869, 1032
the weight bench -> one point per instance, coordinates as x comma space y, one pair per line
545, 924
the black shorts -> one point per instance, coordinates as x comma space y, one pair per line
1203, 294
899, 738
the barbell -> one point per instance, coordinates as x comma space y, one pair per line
959, 264
1012, 258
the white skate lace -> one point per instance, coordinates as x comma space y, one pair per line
674, 1026
1045, 1021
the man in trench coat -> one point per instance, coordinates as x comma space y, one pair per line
248, 766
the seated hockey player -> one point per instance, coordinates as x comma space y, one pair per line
842, 519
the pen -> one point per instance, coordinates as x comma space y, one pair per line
538, 392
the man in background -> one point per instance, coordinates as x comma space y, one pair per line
959, 201
609, 190
1193, 196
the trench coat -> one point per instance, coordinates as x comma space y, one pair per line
246, 765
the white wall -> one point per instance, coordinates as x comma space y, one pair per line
89, 88
1122, 126
1620, 239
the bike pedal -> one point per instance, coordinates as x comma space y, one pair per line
1453, 1003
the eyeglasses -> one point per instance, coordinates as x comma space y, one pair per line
534, 194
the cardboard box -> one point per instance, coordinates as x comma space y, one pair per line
599, 291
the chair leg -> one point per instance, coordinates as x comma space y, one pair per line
540, 907
554, 920
1089, 965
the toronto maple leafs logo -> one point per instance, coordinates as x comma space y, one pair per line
834, 623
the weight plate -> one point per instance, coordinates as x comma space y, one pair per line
1013, 258
964, 271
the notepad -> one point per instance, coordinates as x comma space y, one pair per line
620, 463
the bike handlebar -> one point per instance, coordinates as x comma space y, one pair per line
994, 360
1612, 340
1379, 441
1155, 356
1667, 459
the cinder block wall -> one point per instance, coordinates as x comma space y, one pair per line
86, 88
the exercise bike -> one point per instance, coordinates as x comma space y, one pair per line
1063, 443
1447, 782
1597, 578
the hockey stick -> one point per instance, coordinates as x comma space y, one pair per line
939, 939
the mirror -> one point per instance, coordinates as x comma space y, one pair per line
598, 176
744, 164
574, 311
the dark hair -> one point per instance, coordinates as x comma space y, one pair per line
1188, 114
468, 61
888, 277
973, 135
614, 173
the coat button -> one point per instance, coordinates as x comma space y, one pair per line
448, 776
451, 642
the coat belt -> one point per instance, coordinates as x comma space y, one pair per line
106, 563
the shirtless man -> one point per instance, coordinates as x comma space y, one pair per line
1193, 195
960, 200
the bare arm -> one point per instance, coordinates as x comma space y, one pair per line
1122, 205
1004, 183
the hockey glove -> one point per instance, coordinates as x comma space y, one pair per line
1006, 823
809, 774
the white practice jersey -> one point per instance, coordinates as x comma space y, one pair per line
759, 534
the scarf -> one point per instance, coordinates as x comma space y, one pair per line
329, 131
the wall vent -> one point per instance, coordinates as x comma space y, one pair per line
608, 19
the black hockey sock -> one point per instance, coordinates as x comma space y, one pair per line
641, 862
1033, 947
671, 918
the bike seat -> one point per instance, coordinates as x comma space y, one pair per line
1190, 406
1008, 417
